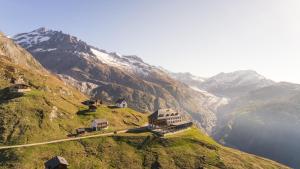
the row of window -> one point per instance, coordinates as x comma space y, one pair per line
174, 118
174, 121
167, 115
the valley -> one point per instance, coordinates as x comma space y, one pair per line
225, 106
261, 117
51, 110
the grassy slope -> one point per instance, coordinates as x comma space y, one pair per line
27, 118
34, 118
187, 150
118, 118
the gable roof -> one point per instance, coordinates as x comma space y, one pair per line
20, 86
119, 101
55, 161
100, 120
92, 107
88, 102
163, 113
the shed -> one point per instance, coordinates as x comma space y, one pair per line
57, 162
80, 131
92, 108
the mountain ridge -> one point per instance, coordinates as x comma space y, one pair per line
108, 76
52, 109
260, 116
215, 102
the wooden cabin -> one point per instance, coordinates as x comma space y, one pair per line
80, 131
95, 102
99, 124
92, 108
57, 162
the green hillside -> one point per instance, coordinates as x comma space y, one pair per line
187, 150
46, 112
52, 110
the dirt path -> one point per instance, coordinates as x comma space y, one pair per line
61, 140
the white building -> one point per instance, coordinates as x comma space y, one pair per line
98, 124
121, 103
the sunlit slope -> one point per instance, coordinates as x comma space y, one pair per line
51, 110
188, 150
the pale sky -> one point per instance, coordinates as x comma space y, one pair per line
203, 37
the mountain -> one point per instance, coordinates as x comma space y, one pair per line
264, 122
53, 110
212, 101
45, 111
109, 76
12, 52
188, 78
259, 117
235, 83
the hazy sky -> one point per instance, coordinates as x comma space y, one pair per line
203, 37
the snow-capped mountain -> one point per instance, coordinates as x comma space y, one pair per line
194, 82
44, 40
109, 75
240, 109
188, 78
16, 54
27, 40
235, 83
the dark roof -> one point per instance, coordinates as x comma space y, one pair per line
80, 129
120, 100
20, 86
88, 102
92, 107
154, 115
55, 161
100, 120
163, 113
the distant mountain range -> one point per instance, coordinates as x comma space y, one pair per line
260, 117
242, 109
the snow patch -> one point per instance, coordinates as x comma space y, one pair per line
196, 78
32, 38
104, 57
122, 62
214, 102
44, 50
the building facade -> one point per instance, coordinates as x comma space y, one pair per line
121, 103
19, 88
99, 124
57, 162
165, 117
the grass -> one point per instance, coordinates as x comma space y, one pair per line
188, 150
53, 110
118, 118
